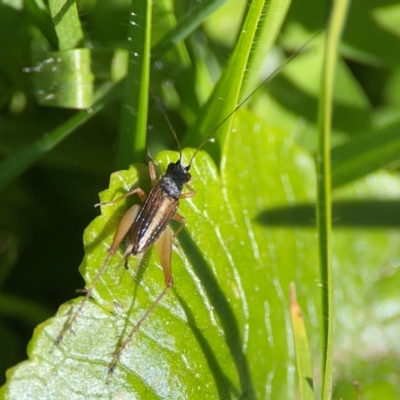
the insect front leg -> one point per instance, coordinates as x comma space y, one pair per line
180, 218
140, 192
190, 193
164, 250
123, 228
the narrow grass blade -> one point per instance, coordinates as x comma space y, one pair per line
67, 24
41, 16
227, 91
186, 25
303, 359
132, 135
268, 29
165, 19
324, 201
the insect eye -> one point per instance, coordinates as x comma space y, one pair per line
188, 176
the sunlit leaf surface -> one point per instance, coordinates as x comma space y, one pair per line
223, 331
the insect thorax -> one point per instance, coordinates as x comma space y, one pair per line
172, 186
174, 179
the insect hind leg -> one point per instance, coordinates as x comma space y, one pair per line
89, 292
126, 222
164, 250
121, 348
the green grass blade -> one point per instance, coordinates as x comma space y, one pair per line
132, 134
324, 201
227, 91
165, 20
268, 30
66, 23
186, 25
40, 14
14, 165
303, 358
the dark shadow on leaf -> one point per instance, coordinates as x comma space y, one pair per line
224, 385
138, 272
366, 213
310, 382
224, 311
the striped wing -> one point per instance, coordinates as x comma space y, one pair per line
155, 215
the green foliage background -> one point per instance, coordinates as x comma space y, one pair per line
264, 192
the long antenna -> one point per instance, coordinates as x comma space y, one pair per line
161, 107
174, 133
275, 72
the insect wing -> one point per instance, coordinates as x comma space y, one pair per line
156, 213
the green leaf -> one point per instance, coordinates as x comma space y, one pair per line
249, 233
388, 17
224, 328
210, 321
222, 331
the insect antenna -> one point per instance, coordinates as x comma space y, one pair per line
161, 107
258, 87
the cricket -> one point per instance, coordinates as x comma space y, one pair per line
148, 224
